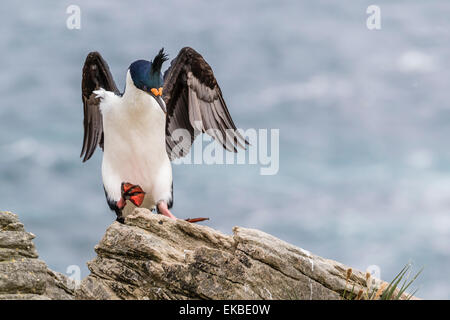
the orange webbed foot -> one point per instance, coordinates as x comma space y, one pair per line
133, 192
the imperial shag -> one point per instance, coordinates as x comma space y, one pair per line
138, 130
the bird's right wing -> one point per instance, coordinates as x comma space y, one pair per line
96, 75
195, 104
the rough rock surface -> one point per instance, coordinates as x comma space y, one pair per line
153, 257
22, 274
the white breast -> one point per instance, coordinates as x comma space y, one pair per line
135, 145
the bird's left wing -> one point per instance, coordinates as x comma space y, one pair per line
195, 104
96, 75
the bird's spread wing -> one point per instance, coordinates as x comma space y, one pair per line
195, 104
96, 75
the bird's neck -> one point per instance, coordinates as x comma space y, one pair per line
139, 101
131, 93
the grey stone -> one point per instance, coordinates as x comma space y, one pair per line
153, 257
22, 275
10, 221
59, 286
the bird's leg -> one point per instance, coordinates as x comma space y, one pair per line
120, 218
118, 207
162, 208
121, 203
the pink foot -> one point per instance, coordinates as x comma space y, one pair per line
162, 208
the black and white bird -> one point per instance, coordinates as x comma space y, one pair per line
136, 128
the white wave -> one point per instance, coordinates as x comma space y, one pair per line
416, 61
317, 87
41, 154
420, 159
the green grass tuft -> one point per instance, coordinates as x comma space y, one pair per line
394, 291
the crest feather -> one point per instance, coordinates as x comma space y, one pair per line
158, 61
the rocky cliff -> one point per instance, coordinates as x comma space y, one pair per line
22, 274
153, 257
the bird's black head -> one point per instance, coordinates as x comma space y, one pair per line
146, 75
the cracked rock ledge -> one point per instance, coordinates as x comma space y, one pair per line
153, 257
22, 275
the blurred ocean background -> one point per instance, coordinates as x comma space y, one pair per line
364, 119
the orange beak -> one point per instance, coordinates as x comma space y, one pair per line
156, 92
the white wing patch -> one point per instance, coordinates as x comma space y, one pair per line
100, 93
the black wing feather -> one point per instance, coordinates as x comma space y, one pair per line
195, 103
96, 75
